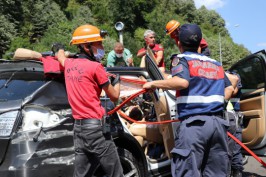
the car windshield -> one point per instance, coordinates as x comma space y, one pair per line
16, 85
252, 74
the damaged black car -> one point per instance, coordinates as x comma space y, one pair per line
36, 123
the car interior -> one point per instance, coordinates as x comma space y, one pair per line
155, 139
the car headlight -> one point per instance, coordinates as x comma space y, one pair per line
7, 121
35, 117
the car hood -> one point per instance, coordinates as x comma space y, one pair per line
10, 105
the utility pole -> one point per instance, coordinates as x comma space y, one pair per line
119, 26
220, 48
220, 45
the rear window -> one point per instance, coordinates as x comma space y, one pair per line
18, 85
252, 74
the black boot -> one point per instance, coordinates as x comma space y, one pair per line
236, 173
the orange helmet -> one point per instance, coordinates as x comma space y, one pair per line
171, 26
87, 33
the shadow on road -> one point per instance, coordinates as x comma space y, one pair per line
247, 174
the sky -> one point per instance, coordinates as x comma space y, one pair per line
245, 20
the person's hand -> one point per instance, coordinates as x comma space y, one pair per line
56, 47
115, 79
149, 86
130, 61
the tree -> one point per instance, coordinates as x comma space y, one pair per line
7, 31
39, 14
36, 24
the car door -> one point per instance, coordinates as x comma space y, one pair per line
162, 104
252, 71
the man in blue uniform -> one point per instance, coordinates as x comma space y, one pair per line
201, 141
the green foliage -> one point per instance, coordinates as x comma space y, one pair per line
37, 24
21, 42
7, 31
100, 9
43, 14
61, 33
12, 10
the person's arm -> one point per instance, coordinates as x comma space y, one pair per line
61, 57
229, 88
112, 92
59, 50
233, 79
141, 53
142, 62
228, 91
174, 83
199, 50
159, 56
179, 80
110, 60
129, 59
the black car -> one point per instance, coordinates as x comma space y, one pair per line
36, 125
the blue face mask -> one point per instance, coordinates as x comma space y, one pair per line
99, 55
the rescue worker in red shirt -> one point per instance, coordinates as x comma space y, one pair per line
158, 50
172, 29
200, 82
85, 77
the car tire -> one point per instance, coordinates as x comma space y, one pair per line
245, 159
128, 162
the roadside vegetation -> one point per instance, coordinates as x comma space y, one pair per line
37, 24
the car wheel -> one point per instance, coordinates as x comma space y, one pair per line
245, 159
129, 165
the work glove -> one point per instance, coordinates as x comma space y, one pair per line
115, 79
57, 46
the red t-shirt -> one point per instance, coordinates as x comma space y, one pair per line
203, 43
84, 79
156, 48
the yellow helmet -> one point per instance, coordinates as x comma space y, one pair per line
87, 33
171, 26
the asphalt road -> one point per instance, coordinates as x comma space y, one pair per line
254, 169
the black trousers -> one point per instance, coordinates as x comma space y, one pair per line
235, 129
91, 148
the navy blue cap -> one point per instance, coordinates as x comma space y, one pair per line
190, 35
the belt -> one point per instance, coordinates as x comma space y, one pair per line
218, 114
88, 121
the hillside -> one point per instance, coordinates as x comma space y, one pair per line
37, 24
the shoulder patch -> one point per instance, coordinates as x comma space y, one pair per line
175, 61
